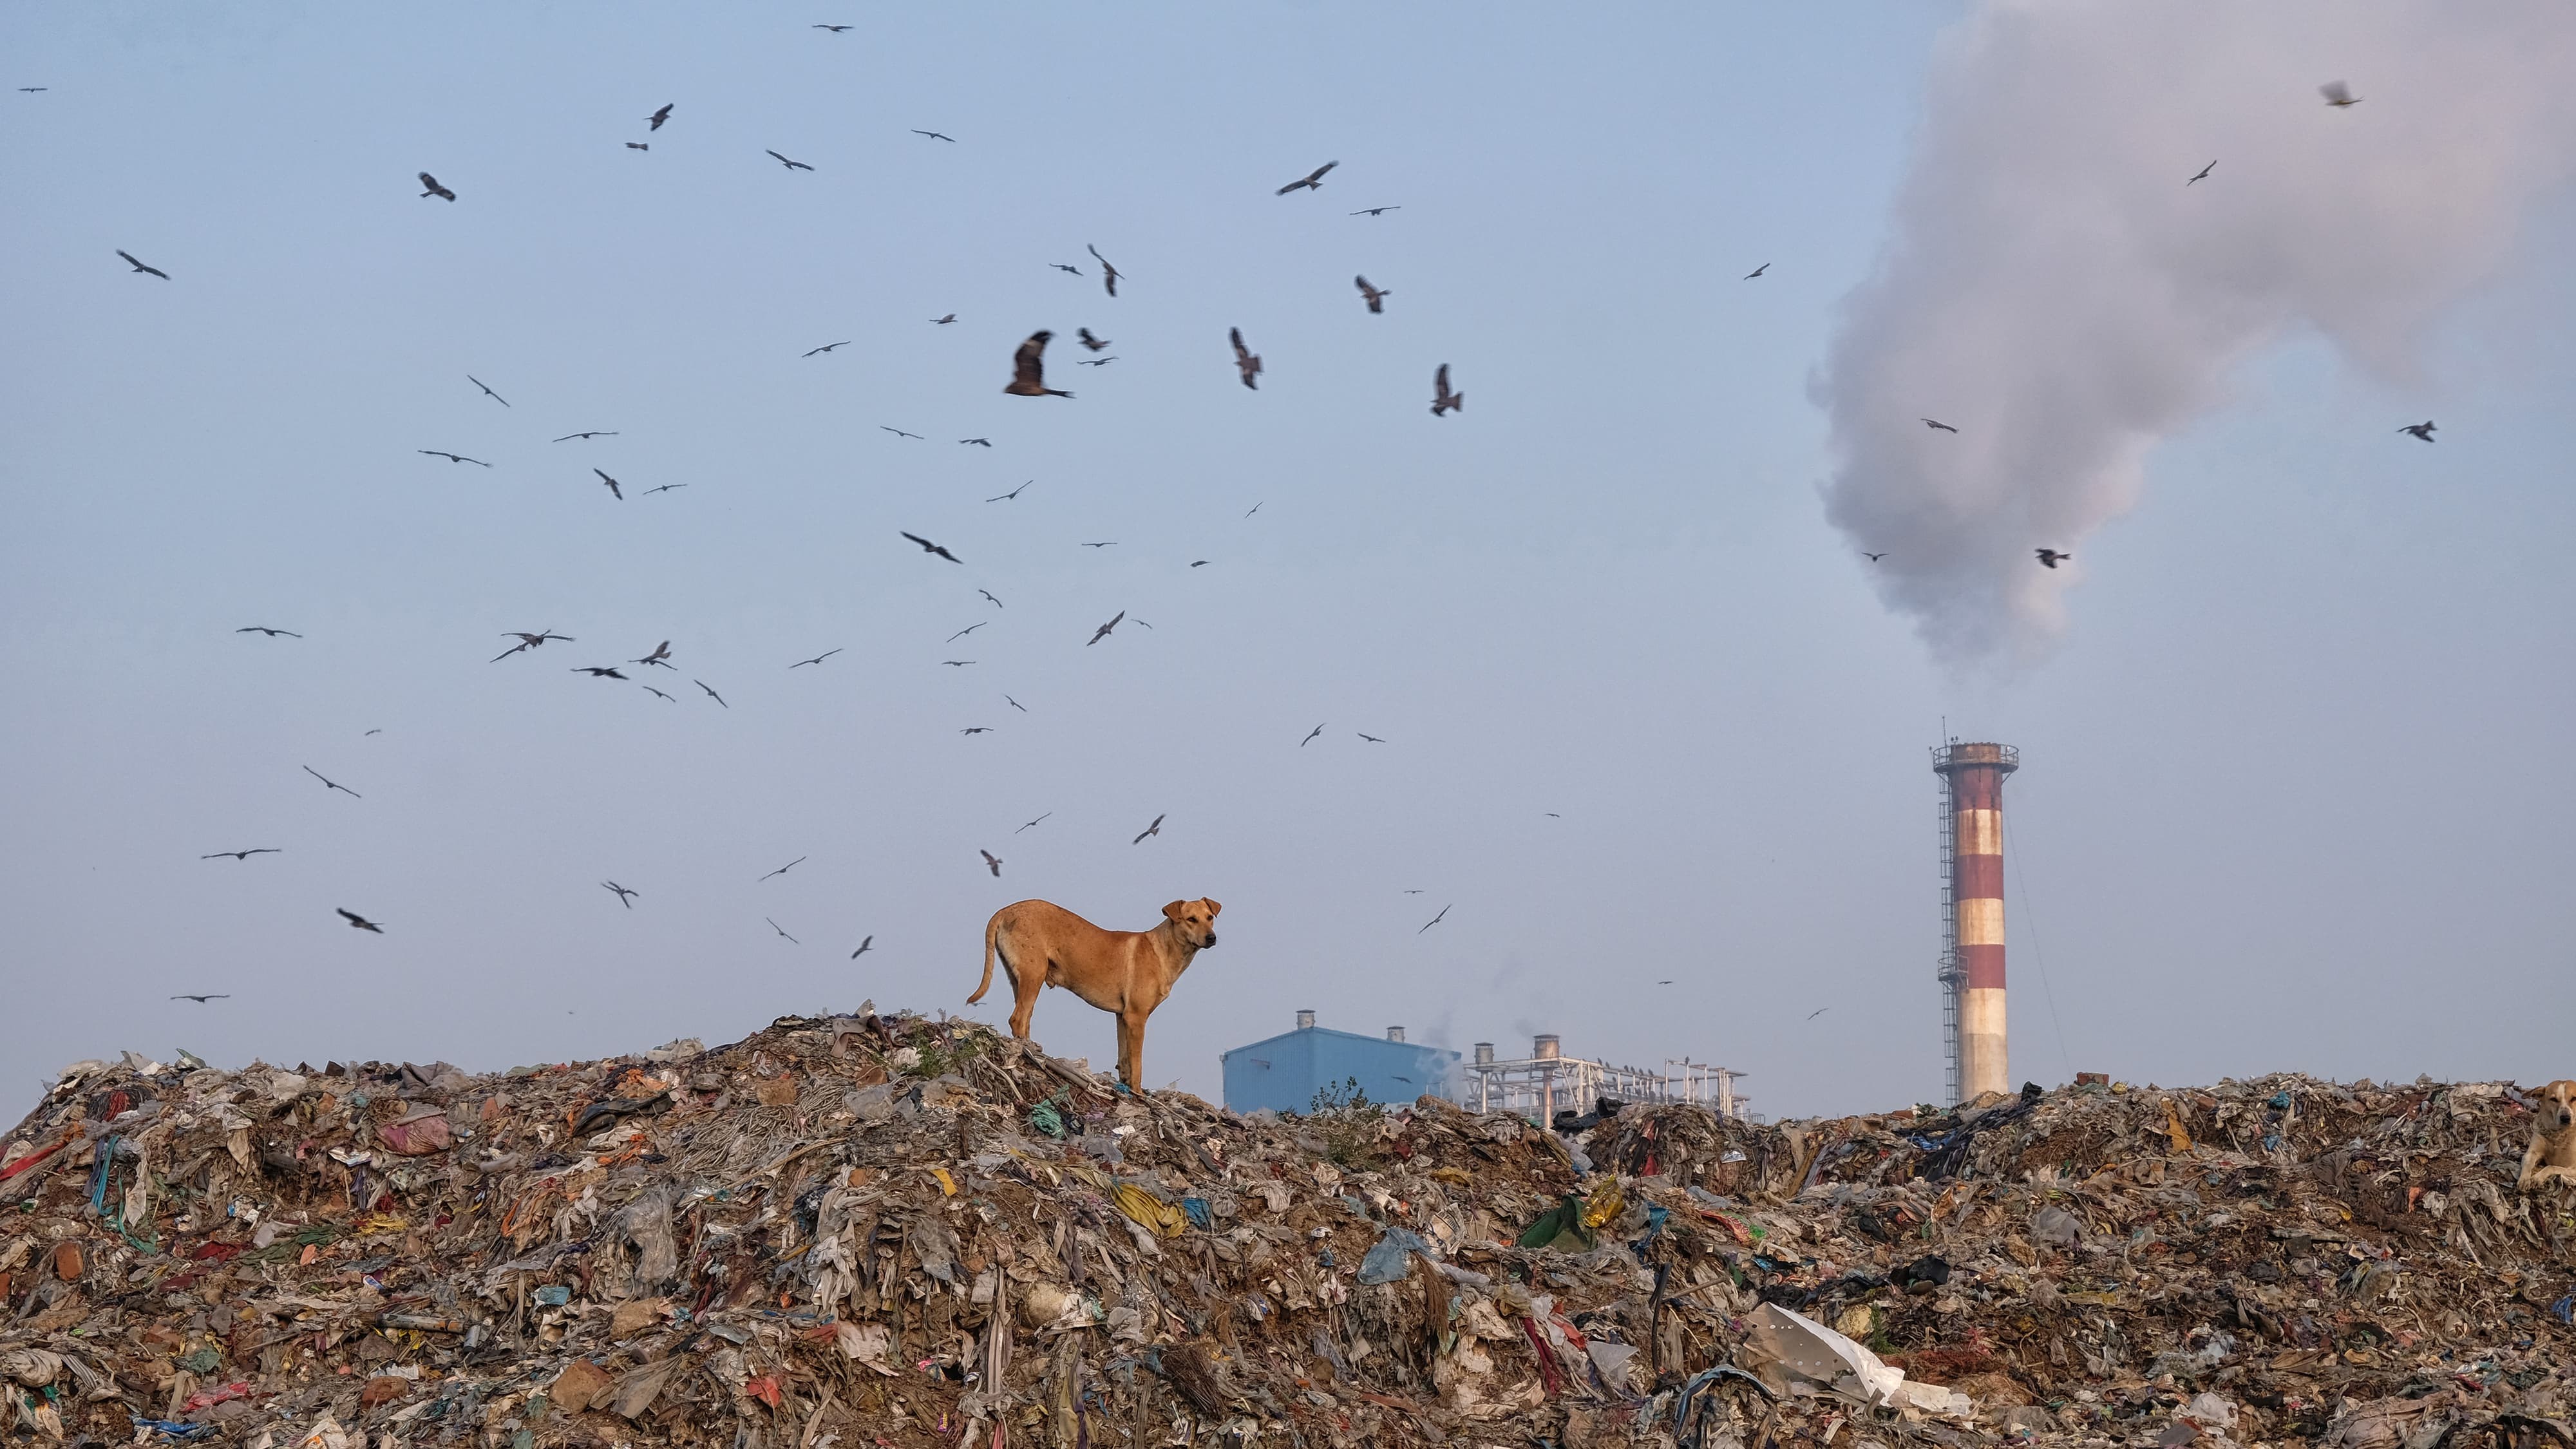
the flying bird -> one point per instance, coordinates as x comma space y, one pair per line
637, 146
658, 117
1311, 181
1435, 920
962, 633
791, 940
978, 442
944, 321
528, 641
1374, 296
1376, 210
1256, 508
661, 655
1033, 822
1108, 543
451, 457
711, 694
1154, 829
202, 1000
976, 730
993, 862
31, 90
1095, 344
2423, 430
1442, 399
487, 392
1094, 361
138, 266
660, 488
791, 165
959, 663
1199, 564
242, 854
1103, 631
934, 135
1108, 273
1873, 557
1310, 738
1014, 493
291, 634
359, 922
1819, 1011
597, 671
835, 29
817, 659
617, 492
1937, 425
2203, 173
996, 603
863, 948
648, 689
2338, 94
434, 188
1244, 360
2049, 557
1372, 739
334, 784
828, 346
1028, 368
900, 433
625, 897
928, 547
1061, 267
568, 437
784, 869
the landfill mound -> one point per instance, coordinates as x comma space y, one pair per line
893, 1231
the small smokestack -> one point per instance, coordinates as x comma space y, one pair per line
1544, 1047
1484, 1054
1395, 1033
1305, 1021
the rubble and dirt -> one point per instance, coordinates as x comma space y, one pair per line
902, 1232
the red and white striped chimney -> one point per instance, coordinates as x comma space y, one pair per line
1973, 971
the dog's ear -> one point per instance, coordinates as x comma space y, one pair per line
1173, 911
1212, 906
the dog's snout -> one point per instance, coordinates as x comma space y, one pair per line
1210, 941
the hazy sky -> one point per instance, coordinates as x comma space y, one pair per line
2296, 787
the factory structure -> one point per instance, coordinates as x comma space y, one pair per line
1296, 1070
1972, 915
1547, 1082
1288, 1072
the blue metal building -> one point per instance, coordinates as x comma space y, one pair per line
1285, 1072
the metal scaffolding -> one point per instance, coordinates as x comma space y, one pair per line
1546, 1081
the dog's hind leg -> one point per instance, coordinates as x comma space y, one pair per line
1025, 987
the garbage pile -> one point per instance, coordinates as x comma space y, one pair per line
894, 1231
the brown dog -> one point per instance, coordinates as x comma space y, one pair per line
1125, 972
2552, 1153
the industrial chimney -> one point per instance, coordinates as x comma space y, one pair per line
1972, 911
1305, 1021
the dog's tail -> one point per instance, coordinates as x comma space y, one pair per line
992, 933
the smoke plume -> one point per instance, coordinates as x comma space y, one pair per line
2054, 289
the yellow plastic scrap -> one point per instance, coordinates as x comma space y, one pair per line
947, 1184
2173, 1129
1158, 1217
1607, 1203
